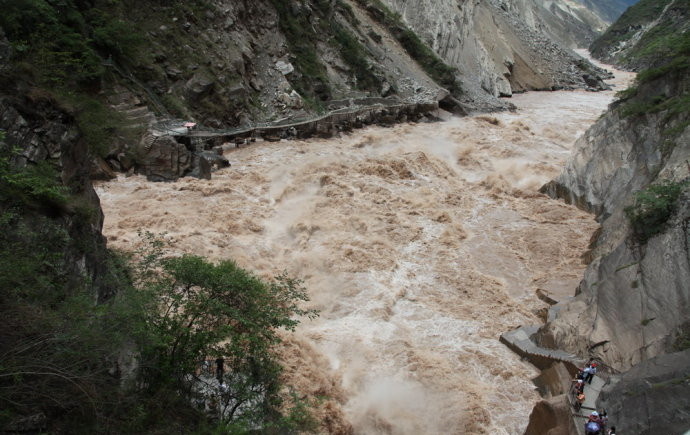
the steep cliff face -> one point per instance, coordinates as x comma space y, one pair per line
503, 47
631, 169
651, 398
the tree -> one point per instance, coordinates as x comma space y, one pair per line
200, 310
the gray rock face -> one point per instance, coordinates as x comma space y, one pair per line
198, 86
500, 46
652, 398
162, 158
45, 133
632, 301
634, 298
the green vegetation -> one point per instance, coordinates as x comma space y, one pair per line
627, 24
33, 186
652, 207
301, 38
682, 341
124, 361
354, 55
61, 47
196, 310
418, 50
303, 34
66, 41
673, 65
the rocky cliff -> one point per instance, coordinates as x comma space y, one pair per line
662, 382
632, 302
632, 169
502, 47
226, 64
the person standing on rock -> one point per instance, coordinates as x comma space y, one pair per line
587, 373
591, 373
580, 400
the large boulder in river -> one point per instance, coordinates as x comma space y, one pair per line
162, 158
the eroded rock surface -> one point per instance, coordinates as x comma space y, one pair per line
652, 398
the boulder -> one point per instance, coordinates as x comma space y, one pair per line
101, 170
202, 168
162, 158
285, 68
198, 86
551, 417
651, 398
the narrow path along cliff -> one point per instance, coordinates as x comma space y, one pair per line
419, 243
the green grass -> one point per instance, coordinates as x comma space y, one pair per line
651, 209
355, 56
627, 24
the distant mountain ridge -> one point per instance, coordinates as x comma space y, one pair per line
644, 34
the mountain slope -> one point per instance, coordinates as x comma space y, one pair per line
501, 47
644, 33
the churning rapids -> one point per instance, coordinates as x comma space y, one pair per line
420, 244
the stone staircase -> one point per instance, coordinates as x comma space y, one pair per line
591, 395
519, 341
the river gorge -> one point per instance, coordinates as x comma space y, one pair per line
419, 244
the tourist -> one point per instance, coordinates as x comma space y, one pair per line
592, 428
580, 400
592, 372
603, 417
587, 373
612, 431
578, 384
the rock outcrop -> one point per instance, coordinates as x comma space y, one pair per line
501, 47
652, 398
162, 158
634, 297
551, 417
45, 134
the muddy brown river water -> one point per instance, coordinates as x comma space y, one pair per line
420, 244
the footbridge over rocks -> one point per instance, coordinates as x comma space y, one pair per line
520, 341
363, 112
172, 150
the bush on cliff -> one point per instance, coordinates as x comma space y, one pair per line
652, 207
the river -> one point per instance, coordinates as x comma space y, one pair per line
420, 244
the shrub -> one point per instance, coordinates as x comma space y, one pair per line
32, 185
652, 207
199, 310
